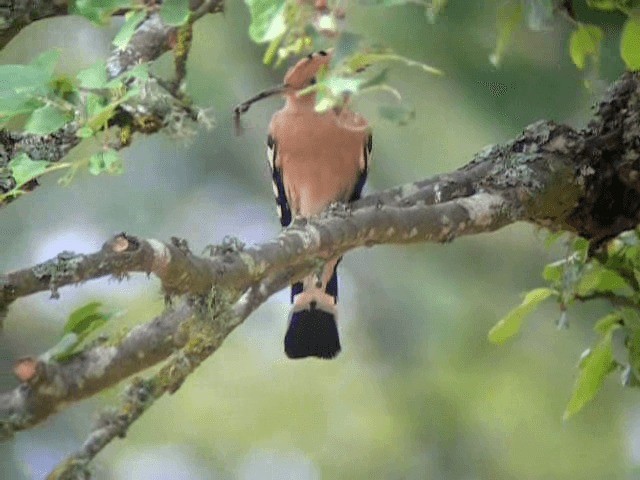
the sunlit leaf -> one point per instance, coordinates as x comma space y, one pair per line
596, 278
175, 12
267, 19
511, 323
99, 11
553, 272
604, 4
46, 61
630, 43
82, 321
363, 60
23, 169
584, 43
581, 248
47, 119
594, 367
23, 79
128, 29
509, 16
107, 161
93, 77
607, 322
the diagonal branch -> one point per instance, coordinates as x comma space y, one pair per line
142, 393
230, 269
551, 175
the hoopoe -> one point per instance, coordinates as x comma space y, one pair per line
315, 159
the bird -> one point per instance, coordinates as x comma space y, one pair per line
315, 159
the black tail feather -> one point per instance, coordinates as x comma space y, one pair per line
312, 333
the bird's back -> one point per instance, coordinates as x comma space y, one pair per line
319, 154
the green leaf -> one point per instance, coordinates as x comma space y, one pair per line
85, 319
175, 12
85, 132
595, 365
607, 322
630, 318
596, 278
400, 114
94, 77
553, 272
630, 43
363, 60
509, 16
46, 61
81, 323
272, 50
581, 247
585, 42
23, 80
16, 105
23, 169
99, 11
132, 20
105, 162
604, 4
267, 19
47, 119
510, 324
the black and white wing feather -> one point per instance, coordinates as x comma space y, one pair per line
284, 211
362, 179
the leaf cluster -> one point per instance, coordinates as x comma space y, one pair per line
611, 274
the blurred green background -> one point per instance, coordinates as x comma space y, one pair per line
417, 392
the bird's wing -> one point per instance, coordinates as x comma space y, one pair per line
364, 168
284, 211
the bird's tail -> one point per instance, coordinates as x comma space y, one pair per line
313, 331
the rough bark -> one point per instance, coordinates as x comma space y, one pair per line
551, 175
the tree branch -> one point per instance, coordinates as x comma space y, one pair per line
17, 14
551, 175
147, 115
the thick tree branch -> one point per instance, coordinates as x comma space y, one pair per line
230, 269
17, 14
551, 175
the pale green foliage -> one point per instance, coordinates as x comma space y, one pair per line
267, 19
99, 11
584, 43
630, 43
510, 324
614, 275
23, 169
132, 20
175, 12
105, 162
82, 322
508, 18
596, 363
353, 67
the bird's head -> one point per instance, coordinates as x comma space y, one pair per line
303, 73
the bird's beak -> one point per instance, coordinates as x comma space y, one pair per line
244, 106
